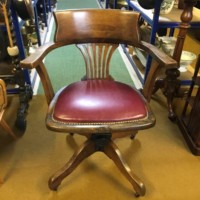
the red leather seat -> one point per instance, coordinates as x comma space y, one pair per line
99, 101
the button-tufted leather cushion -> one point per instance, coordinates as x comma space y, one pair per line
99, 101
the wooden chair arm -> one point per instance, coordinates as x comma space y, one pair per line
36, 58
46, 82
161, 57
160, 60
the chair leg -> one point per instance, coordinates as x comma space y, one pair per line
7, 128
83, 152
103, 143
112, 151
132, 136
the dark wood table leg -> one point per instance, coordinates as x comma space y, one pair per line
171, 84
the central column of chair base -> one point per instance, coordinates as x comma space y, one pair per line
97, 142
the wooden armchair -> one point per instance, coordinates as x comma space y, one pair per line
98, 107
3, 104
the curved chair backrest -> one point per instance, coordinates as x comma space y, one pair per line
97, 33
97, 26
3, 97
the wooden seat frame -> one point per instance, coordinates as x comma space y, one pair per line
97, 33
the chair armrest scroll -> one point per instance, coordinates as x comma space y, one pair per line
160, 60
161, 57
34, 59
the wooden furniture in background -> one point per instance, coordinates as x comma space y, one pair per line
189, 121
3, 104
98, 107
25, 20
177, 18
10, 71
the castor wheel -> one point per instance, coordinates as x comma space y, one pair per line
132, 136
137, 194
53, 184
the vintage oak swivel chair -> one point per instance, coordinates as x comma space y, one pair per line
98, 107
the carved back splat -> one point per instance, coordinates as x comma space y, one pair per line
97, 59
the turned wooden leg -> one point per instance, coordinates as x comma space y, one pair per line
7, 128
83, 152
171, 89
112, 151
171, 114
159, 83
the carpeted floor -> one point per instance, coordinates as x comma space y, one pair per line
158, 156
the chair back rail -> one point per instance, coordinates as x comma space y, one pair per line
96, 26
